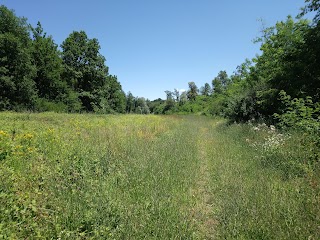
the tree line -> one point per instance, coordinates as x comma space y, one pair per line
282, 83
35, 75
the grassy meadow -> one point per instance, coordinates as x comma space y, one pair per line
69, 176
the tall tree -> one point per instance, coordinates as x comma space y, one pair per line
193, 91
85, 68
169, 95
170, 102
17, 88
183, 98
289, 62
176, 94
206, 89
110, 97
217, 87
141, 106
130, 103
282, 65
48, 65
86, 72
220, 83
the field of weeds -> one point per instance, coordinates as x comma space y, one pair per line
68, 176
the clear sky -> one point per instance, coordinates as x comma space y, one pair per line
158, 45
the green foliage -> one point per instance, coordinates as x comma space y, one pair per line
259, 174
192, 92
303, 117
85, 69
17, 88
48, 64
34, 75
217, 105
87, 74
111, 98
156, 106
159, 109
130, 103
299, 113
170, 103
206, 89
280, 64
44, 105
220, 83
176, 94
199, 105
71, 100
183, 98
141, 106
289, 62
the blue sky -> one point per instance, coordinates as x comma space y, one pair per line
158, 45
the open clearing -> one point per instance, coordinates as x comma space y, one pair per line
143, 177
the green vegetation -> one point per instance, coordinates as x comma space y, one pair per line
289, 63
98, 176
155, 177
36, 76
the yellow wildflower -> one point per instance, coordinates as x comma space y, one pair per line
30, 149
50, 130
28, 136
3, 133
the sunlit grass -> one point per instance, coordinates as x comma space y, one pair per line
89, 176
72, 176
259, 194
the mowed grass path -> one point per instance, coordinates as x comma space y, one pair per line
140, 177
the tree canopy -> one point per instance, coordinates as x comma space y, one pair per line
35, 75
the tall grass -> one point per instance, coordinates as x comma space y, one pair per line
88, 176
260, 188
74, 176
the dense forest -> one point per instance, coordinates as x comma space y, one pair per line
37, 76
280, 85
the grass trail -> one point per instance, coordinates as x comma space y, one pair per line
144, 177
202, 212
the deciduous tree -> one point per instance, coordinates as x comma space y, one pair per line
48, 65
17, 87
192, 92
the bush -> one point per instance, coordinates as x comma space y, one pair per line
299, 113
44, 105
